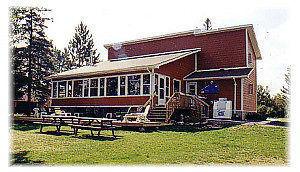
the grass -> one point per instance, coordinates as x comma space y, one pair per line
259, 145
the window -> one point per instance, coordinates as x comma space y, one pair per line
176, 84
54, 90
250, 60
102, 86
112, 86
77, 88
94, 88
134, 84
250, 89
122, 85
62, 89
86, 88
146, 84
69, 86
167, 86
156, 84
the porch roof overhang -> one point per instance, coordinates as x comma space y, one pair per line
129, 64
226, 73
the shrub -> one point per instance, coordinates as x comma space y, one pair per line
255, 116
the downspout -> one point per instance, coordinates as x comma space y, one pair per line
234, 97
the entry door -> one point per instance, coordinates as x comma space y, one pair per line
161, 90
192, 88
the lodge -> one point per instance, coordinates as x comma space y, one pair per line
212, 65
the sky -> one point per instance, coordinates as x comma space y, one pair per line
117, 21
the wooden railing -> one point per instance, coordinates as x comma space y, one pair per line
185, 101
148, 102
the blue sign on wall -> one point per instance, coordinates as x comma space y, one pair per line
212, 88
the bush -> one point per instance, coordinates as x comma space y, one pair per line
255, 117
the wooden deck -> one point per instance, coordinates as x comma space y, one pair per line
30, 119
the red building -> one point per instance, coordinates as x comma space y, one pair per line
157, 67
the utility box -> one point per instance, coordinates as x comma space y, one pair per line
222, 108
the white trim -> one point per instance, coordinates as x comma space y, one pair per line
234, 95
242, 94
247, 63
169, 92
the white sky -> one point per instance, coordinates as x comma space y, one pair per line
116, 21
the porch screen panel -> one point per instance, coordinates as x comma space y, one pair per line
70, 89
156, 83
86, 88
112, 86
54, 90
134, 85
77, 88
102, 86
94, 87
62, 89
122, 85
146, 84
167, 86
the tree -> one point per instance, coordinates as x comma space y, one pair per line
207, 24
31, 57
81, 47
286, 89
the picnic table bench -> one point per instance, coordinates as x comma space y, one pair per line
93, 124
55, 120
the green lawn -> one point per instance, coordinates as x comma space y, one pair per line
262, 145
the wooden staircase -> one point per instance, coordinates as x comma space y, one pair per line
158, 114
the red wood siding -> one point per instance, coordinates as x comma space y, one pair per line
218, 50
103, 101
226, 87
250, 100
178, 70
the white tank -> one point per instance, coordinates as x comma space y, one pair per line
222, 108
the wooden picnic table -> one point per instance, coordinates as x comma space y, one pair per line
55, 120
93, 124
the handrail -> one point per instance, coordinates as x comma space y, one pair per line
149, 101
184, 101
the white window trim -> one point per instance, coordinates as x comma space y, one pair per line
168, 85
105, 83
187, 87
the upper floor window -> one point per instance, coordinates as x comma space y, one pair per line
250, 59
250, 91
62, 89
77, 88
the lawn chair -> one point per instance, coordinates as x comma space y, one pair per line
138, 117
39, 112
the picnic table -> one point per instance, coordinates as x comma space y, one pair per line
93, 124
55, 120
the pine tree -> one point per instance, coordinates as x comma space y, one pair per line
286, 89
81, 47
207, 24
32, 56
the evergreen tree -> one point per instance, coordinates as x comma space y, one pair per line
81, 48
32, 56
207, 24
286, 89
